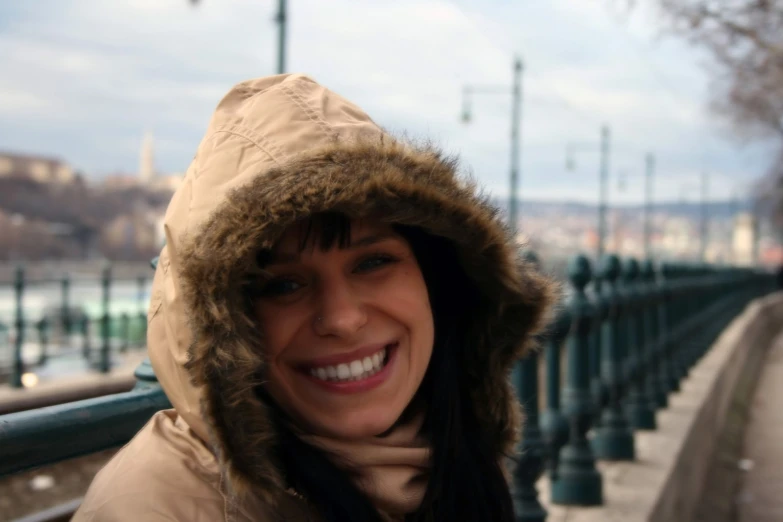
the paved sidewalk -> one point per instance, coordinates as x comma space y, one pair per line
761, 494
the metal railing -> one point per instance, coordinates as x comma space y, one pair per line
32, 339
630, 332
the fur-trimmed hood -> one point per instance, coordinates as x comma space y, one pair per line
279, 149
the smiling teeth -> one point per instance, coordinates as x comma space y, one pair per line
353, 371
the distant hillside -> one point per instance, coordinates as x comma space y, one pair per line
72, 204
69, 220
691, 210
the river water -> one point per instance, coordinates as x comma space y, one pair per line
124, 297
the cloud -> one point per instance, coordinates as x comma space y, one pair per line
83, 79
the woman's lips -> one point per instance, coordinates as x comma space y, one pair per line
356, 375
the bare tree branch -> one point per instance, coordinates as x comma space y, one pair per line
745, 41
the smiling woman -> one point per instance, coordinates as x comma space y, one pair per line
348, 326
334, 318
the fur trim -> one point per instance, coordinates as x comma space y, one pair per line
404, 185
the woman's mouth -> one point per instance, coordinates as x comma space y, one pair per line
355, 370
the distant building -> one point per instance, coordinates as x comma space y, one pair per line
678, 239
745, 240
120, 181
129, 235
168, 183
146, 161
148, 175
771, 255
38, 168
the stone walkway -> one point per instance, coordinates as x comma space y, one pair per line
26, 493
761, 494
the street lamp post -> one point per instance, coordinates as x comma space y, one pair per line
603, 183
516, 125
281, 19
516, 117
650, 161
604, 191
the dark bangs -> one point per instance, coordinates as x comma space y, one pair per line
324, 231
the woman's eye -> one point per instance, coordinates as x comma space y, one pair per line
374, 262
277, 287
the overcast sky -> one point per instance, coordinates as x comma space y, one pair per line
84, 79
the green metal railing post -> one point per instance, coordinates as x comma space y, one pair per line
666, 382
18, 364
85, 328
653, 342
554, 424
142, 283
532, 446
707, 290
689, 289
43, 339
679, 296
598, 389
640, 416
696, 302
105, 364
613, 438
578, 482
145, 375
124, 332
694, 295
65, 287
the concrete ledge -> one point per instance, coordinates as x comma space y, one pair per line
664, 484
72, 388
61, 513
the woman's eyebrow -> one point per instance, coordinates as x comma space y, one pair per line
277, 258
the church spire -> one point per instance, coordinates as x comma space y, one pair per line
146, 160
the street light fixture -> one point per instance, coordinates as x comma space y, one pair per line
648, 188
516, 123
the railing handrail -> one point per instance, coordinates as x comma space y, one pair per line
80, 428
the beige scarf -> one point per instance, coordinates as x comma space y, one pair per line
392, 470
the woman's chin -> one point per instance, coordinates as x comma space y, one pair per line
358, 426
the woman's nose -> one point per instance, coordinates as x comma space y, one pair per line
340, 313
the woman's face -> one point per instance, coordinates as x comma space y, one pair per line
348, 331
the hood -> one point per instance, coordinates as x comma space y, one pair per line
276, 150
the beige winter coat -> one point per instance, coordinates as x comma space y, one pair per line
278, 149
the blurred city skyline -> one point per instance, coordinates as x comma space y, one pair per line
85, 80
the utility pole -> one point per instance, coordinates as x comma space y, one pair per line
603, 195
516, 119
648, 206
281, 19
516, 125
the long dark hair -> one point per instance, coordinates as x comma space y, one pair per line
466, 482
